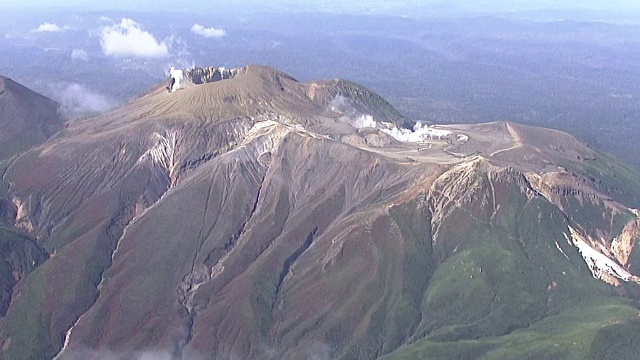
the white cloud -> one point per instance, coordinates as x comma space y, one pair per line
75, 99
49, 27
208, 32
79, 54
129, 39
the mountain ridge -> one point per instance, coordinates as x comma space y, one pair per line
258, 217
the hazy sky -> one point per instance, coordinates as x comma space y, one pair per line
365, 6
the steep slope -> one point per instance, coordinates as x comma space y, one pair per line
254, 217
26, 118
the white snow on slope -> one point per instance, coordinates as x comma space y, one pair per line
598, 263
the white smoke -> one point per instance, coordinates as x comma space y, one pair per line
340, 104
420, 133
79, 54
181, 56
365, 121
177, 77
128, 38
75, 100
208, 32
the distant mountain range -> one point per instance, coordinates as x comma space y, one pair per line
252, 216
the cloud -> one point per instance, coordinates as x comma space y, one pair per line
79, 54
127, 38
208, 32
76, 100
49, 27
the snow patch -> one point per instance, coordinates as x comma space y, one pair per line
562, 251
599, 264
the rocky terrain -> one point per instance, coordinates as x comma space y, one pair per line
252, 216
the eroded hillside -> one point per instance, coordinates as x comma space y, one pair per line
257, 217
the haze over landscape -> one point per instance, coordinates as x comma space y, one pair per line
304, 180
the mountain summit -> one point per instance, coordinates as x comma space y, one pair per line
26, 117
257, 217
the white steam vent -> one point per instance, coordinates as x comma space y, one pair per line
176, 77
420, 133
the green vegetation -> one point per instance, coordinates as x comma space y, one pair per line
506, 292
617, 340
328, 243
611, 176
576, 333
26, 329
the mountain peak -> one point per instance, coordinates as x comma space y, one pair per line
215, 95
198, 75
26, 117
250, 211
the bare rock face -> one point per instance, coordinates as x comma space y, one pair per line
199, 75
252, 216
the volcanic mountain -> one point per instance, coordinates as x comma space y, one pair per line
26, 118
252, 216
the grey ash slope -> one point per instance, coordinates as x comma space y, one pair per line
251, 218
26, 118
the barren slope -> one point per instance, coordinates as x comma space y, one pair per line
255, 218
26, 118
